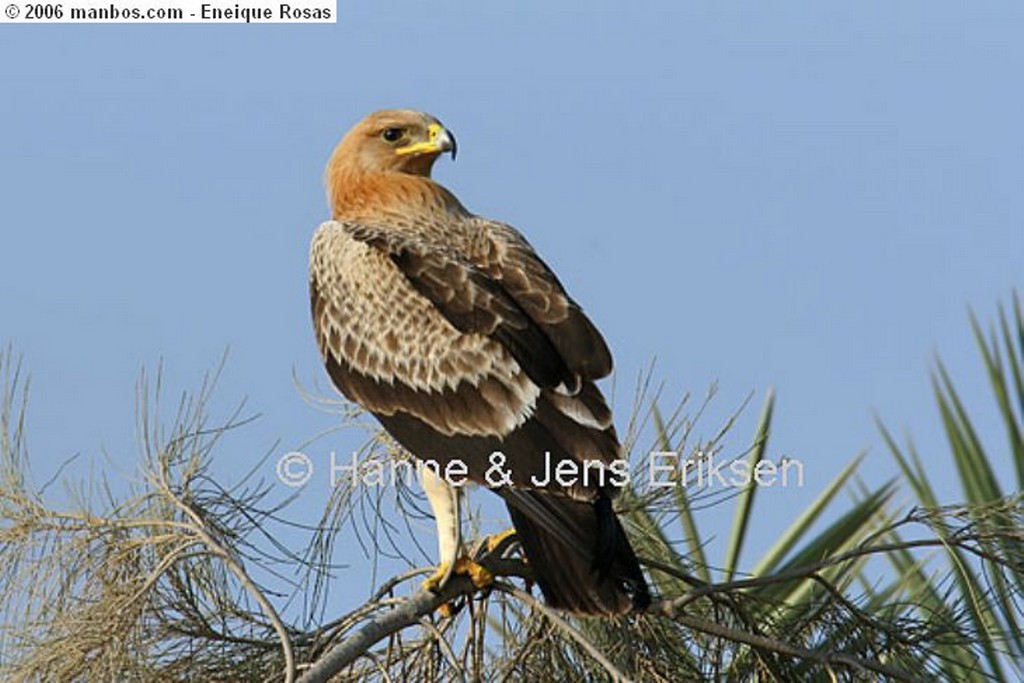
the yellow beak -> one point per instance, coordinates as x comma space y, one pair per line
439, 140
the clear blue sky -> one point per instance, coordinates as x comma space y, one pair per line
798, 195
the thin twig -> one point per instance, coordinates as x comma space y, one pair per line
243, 577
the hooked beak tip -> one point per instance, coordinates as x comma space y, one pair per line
455, 145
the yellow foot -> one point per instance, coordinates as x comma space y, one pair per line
497, 539
478, 574
435, 581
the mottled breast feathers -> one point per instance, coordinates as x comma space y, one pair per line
463, 330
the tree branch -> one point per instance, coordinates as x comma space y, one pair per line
407, 613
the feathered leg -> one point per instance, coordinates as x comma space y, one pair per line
445, 502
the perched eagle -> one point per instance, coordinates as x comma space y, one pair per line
451, 330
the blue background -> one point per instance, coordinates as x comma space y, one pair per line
790, 195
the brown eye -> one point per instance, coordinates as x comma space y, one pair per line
392, 134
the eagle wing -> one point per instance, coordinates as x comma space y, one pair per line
505, 255
466, 346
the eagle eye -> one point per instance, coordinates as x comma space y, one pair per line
392, 134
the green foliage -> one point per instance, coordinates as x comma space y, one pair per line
989, 593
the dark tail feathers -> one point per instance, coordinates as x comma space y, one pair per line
601, 576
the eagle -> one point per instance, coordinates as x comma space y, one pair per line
461, 341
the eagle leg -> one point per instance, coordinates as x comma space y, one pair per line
444, 502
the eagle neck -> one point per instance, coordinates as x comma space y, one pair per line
376, 197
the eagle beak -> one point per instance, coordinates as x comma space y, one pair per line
439, 140
453, 145
443, 139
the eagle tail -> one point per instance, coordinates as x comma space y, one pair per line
603, 579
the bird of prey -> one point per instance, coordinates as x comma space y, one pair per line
450, 329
